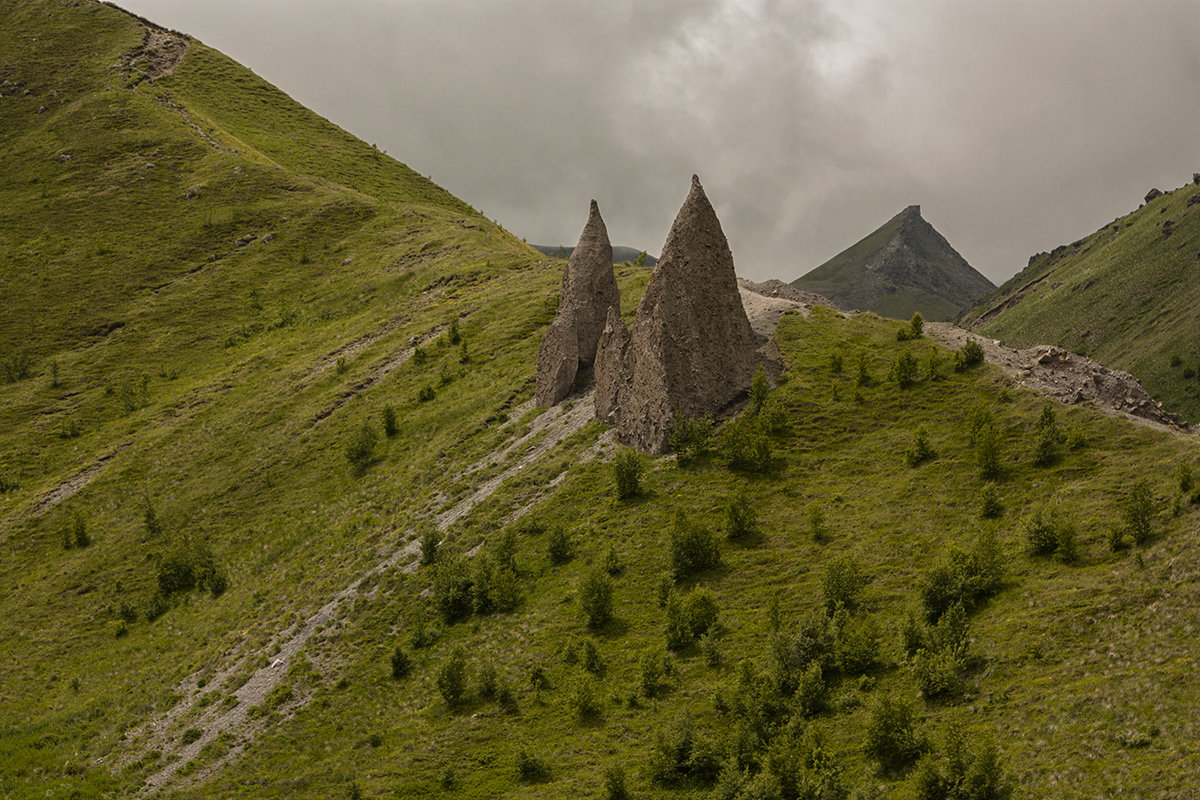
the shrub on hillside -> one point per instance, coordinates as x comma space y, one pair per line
962, 577
864, 375
1046, 534
842, 584
760, 390
452, 677
401, 663
75, 531
744, 445
360, 448
530, 768
17, 366
596, 597
921, 450
987, 452
391, 425
960, 772
690, 617
452, 595
693, 548
430, 540
892, 739
690, 437
681, 753
970, 355
990, 506
1048, 438
425, 394
627, 473
190, 565
740, 517
1137, 509
904, 370
558, 546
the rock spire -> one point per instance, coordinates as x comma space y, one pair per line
691, 350
589, 290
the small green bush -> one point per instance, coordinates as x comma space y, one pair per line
933, 364
842, 584
530, 768
904, 370
856, 643
401, 663
970, 355
693, 548
425, 394
582, 697
430, 540
360, 448
760, 390
452, 333
864, 375
614, 784
1137, 508
1183, 475
990, 506
680, 753
962, 577
988, 453
558, 546
627, 474
1048, 439
17, 366
596, 597
391, 425
740, 517
892, 739
921, 450
690, 437
962, 773
452, 677
690, 618
744, 445
835, 363
452, 587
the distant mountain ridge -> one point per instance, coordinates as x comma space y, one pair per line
903, 266
1125, 295
621, 254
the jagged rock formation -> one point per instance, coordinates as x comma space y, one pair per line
903, 266
691, 350
589, 289
611, 377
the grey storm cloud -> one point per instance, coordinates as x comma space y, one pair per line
1017, 126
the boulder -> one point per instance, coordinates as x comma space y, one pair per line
589, 289
1153, 193
691, 350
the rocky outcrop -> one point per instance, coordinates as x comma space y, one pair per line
589, 290
611, 376
691, 350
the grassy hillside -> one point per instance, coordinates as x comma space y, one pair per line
1126, 296
192, 410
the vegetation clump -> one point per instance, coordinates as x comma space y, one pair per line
968, 356
693, 548
627, 474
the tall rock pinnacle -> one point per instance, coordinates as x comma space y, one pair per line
691, 351
589, 289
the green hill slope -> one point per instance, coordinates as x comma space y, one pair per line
1126, 296
902, 267
202, 494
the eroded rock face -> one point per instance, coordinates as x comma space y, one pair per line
589, 289
691, 350
611, 374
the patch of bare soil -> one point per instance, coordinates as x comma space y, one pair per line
73, 484
1066, 376
160, 53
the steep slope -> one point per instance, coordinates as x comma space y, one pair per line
1125, 295
293, 423
902, 267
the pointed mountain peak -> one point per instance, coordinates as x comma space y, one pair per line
905, 265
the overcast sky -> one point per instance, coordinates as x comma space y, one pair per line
1016, 126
